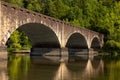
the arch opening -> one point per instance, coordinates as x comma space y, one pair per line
76, 44
77, 41
41, 36
95, 43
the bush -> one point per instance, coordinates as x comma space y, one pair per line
112, 46
16, 46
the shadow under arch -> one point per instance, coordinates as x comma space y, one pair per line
76, 43
41, 36
95, 44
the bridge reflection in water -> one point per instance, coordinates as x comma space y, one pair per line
25, 67
63, 73
66, 72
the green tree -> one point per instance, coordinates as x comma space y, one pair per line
24, 41
15, 2
34, 5
14, 41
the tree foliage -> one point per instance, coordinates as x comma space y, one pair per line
18, 41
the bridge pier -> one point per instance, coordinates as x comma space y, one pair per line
64, 54
3, 48
3, 53
90, 51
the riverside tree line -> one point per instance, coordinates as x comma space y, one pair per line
99, 15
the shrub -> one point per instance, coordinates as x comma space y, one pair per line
112, 46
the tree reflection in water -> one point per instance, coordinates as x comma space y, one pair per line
18, 67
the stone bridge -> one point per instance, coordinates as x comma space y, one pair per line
45, 31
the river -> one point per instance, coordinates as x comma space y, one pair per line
81, 67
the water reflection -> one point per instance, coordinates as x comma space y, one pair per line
3, 66
90, 71
18, 66
62, 73
87, 72
24, 67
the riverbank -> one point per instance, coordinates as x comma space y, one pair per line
22, 51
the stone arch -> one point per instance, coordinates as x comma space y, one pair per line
39, 34
76, 40
95, 42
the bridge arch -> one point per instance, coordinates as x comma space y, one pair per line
39, 34
95, 42
76, 40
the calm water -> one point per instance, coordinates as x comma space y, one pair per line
24, 67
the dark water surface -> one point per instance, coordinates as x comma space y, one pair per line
24, 67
